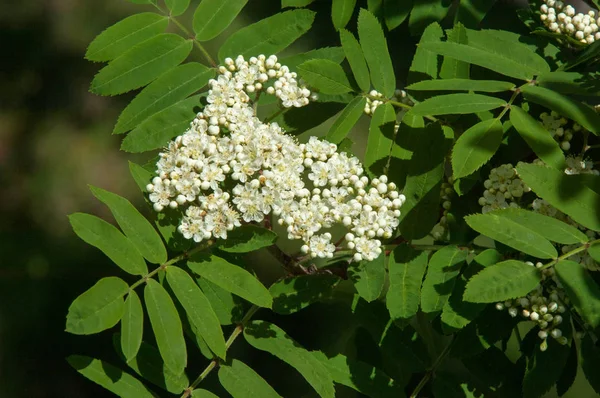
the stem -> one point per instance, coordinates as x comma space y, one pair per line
510, 101
172, 261
189, 35
215, 362
431, 371
569, 254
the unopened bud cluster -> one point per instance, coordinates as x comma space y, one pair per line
229, 167
560, 128
503, 189
440, 230
542, 306
563, 19
376, 98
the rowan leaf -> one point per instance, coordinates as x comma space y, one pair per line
476, 146
375, 50
214, 16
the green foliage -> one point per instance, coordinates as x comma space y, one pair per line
476, 146
341, 12
241, 381
443, 268
166, 326
247, 238
108, 376
457, 104
346, 120
406, 268
132, 326
293, 294
141, 64
502, 281
486, 86
125, 34
214, 16
425, 63
368, 278
98, 233
268, 36
135, 226
232, 278
98, 308
511, 233
581, 288
375, 50
326, 76
170, 88
267, 337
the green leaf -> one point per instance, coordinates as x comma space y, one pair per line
570, 82
110, 377
375, 50
565, 106
476, 146
170, 88
346, 120
458, 313
268, 36
590, 361
582, 289
156, 131
513, 234
135, 226
341, 12
241, 381
406, 270
141, 64
550, 228
141, 176
148, 364
581, 202
326, 76
200, 393
293, 294
569, 373
451, 67
472, 12
247, 238
498, 56
457, 104
444, 266
425, 63
295, 3
214, 16
268, 337
98, 233
502, 281
361, 377
594, 252
590, 53
125, 34
396, 12
177, 7
544, 368
487, 86
424, 13
198, 309
537, 137
166, 326
356, 59
98, 308
228, 308
368, 277
232, 278
379, 141
335, 54
132, 326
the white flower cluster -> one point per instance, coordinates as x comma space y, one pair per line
376, 98
440, 229
563, 19
560, 128
229, 167
502, 189
542, 307
579, 165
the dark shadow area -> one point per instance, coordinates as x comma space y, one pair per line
293, 294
